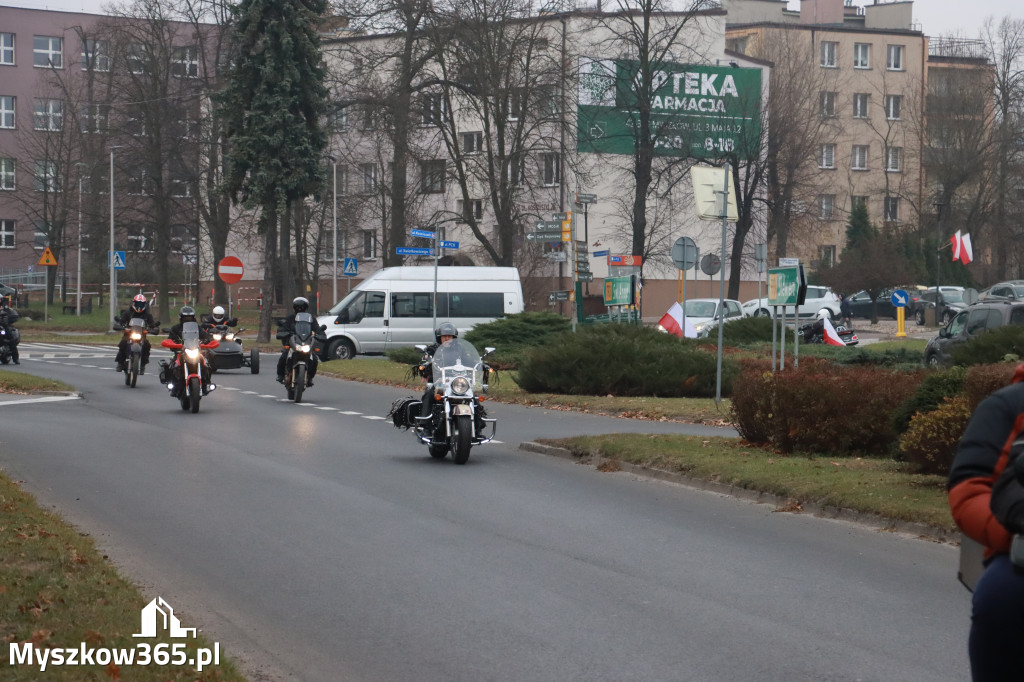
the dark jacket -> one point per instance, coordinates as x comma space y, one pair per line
8, 316
126, 316
175, 334
208, 321
844, 308
981, 458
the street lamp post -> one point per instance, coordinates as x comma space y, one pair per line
113, 272
938, 258
334, 221
78, 263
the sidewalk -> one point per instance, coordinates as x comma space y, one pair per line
885, 330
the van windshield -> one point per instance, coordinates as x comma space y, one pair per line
344, 302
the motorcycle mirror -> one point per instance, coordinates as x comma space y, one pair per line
420, 347
488, 350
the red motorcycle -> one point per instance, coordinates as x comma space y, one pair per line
189, 362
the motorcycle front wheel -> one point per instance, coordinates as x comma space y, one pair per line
462, 439
439, 451
299, 380
194, 394
133, 371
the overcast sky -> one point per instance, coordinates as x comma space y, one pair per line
936, 17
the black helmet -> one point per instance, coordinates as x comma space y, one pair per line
300, 304
445, 329
187, 314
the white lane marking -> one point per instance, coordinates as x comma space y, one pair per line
265, 395
370, 416
350, 412
47, 399
327, 408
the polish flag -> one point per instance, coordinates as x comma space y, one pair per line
672, 322
962, 250
831, 336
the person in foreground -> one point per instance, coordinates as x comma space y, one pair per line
986, 497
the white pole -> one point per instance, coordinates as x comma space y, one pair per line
721, 288
78, 276
113, 276
334, 219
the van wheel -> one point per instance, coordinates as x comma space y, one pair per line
341, 349
932, 360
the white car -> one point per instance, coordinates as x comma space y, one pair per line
703, 314
818, 299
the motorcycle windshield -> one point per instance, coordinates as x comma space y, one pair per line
137, 324
304, 326
458, 358
190, 335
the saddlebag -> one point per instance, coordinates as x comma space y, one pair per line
403, 411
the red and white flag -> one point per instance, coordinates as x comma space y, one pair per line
962, 250
672, 322
831, 335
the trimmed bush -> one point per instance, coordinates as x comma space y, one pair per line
1003, 344
982, 380
930, 393
931, 439
404, 355
749, 330
895, 358
513, 335
622, 360
821, 408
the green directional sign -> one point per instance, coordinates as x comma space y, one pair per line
697, 110
618, 291
783, 286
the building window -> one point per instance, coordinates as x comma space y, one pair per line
862, 56
893, 159
549, 103
472, 143
893, 106
894, 58
828, 54
185, 62
46, 179
342, 181
48, 51
6, 234
827, 156
827, 104
474, 209
369, 173
136, 57
892, 208
41, 233
433, 108
6, 111
338, 119
828, 255
369, 244
7, 173
826, 206
517, 170
137, 242
552, 169
516, 104
856, 201
432, 176
95, 55
860, 157
7, 49
860, 104
139, 183
49, 114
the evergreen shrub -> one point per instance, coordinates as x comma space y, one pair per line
1002, 344
513, 335
982, 380
931, 439
749, 330
821, 408
933, 389
404, 355
622, 360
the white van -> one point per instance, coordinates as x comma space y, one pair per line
393, 307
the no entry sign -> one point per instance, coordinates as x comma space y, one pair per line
230, 269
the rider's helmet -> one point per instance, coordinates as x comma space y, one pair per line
823, 314
300, 304
445, 329
139, 303
218, 314
187, 314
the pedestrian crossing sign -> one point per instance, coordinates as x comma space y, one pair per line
351, 267
117, 261
47, 257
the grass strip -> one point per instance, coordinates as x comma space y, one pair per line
58, 592
868, 485
16, 382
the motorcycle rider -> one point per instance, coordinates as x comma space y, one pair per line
139, 308
445, 332
187, 314
8, 316
218, 317
817, 328
300, 304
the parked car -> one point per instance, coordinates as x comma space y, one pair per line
966, 325
1012, 290
860, 304
818, 298
952, 303
703, 313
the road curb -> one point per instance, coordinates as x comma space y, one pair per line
781, 503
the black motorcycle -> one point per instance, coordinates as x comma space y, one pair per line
815, 333
136, 333
303, 354
9, 338
229, 355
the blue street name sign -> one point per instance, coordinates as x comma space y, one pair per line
407, 251
422, 233
449, 245
351, 267
598, 254
899, 298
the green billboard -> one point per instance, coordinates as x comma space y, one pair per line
697, 110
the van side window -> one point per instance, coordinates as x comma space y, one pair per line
995, 319
957, 325
374, 304
476, 304
976, 322
366, 304
418, 304
1017, 315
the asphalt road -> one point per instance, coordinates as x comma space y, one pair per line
317, 542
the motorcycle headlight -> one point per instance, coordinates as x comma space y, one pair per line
303, 348
218, 337
192, 353
230, 336
136, 336
460, 385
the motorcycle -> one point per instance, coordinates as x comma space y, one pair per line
9, 338
303, 354
136, 333
189, 356
229, 355
457, 420
810, 334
